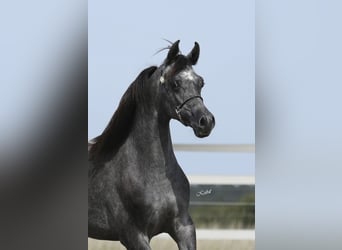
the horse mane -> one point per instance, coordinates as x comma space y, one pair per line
121, 123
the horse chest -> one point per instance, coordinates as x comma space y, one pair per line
155, 203
152, 189
157, 196
161, 207
162, 199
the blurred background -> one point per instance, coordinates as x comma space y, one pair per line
43, 124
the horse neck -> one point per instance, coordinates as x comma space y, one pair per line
152, 128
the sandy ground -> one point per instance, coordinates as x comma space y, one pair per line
163, 242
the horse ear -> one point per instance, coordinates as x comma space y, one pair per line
173, 52
194, 54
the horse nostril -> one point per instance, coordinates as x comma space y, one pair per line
213, 120
203, 121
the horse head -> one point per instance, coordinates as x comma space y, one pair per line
181, 91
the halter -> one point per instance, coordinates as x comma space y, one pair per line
178, 108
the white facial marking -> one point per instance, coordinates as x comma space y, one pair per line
162, 80
188, 74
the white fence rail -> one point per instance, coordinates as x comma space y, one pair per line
221, 180
228, 148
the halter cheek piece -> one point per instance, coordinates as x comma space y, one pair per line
178, 108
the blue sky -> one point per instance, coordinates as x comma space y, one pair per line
123, 38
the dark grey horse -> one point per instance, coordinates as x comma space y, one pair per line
136, 187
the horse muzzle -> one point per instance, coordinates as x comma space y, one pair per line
196, 115
204, 125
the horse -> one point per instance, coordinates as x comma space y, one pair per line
136, 187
